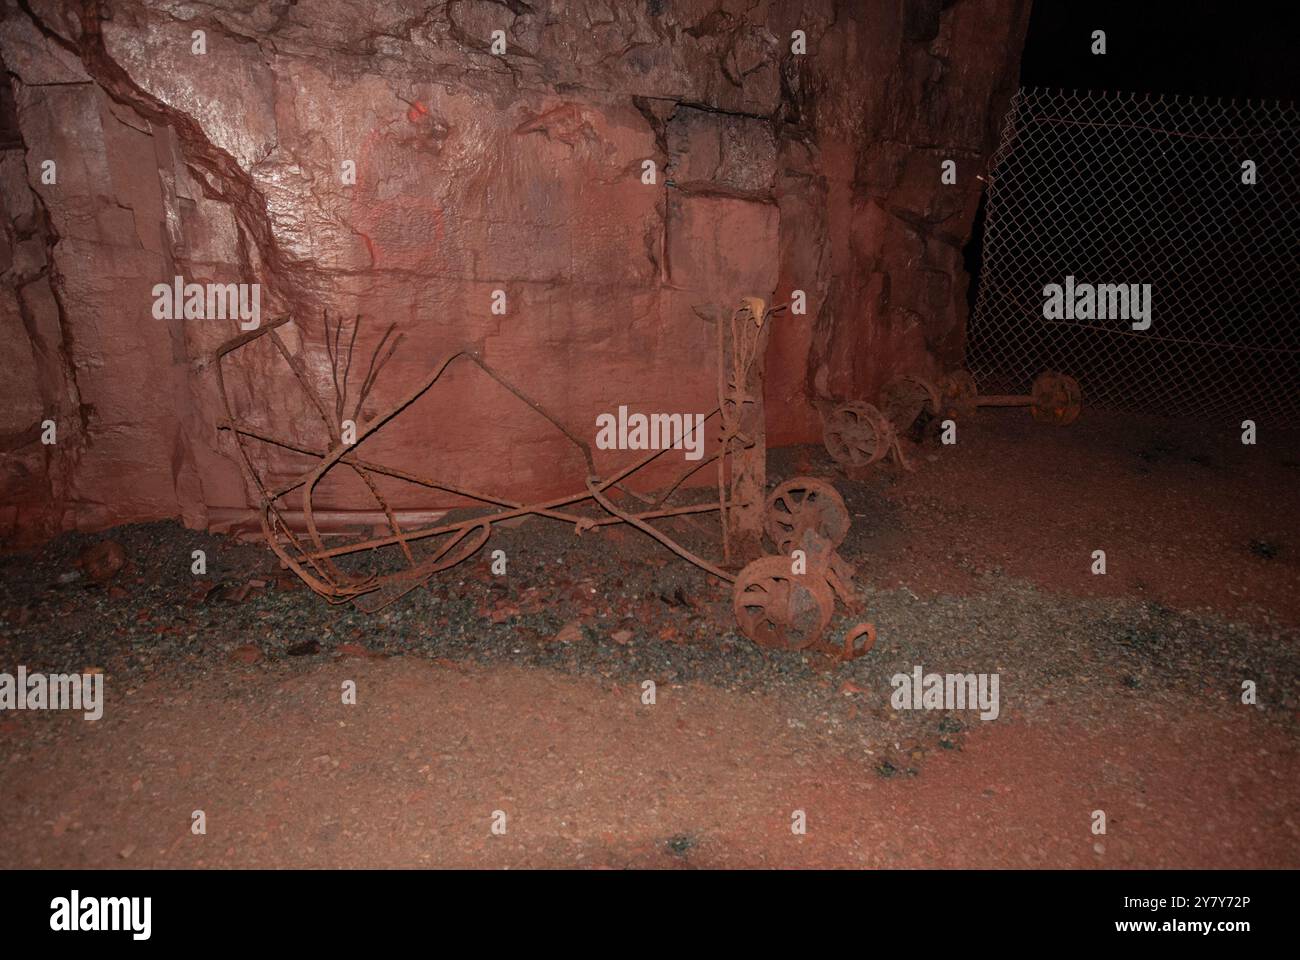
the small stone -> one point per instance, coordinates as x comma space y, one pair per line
103, 560
571, 632
245, 653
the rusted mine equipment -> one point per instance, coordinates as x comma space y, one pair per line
1056, 398
957, 394
786, 602
805, 514
805, 504
1053, 397
857, 434
904, 399
779, 609
742, 342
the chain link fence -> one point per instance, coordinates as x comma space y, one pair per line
1127, 189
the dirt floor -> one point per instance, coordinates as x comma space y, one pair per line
523, 695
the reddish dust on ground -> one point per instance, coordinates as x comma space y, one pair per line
587, 775
1186, 520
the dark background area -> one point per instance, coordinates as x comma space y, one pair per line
1201, 47
1218, 48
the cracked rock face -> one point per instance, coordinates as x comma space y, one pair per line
383, 161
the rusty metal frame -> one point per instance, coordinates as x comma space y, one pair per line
313, 562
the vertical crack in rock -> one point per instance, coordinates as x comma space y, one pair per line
56, 378
229, 181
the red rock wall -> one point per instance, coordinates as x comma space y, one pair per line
474, 172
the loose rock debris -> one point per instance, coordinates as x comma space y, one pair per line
102, 561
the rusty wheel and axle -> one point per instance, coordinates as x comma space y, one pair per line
801, 504
905, 398
857, 434
1053, 398
780, 609
786, 602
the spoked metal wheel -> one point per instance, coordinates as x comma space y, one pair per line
856, 434
905, 398
805, 503
779, 609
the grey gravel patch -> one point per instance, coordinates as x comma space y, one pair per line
1048, 649
680, 844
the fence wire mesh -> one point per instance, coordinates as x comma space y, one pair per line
1128, 189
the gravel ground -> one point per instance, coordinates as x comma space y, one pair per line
523, 691
633, 611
